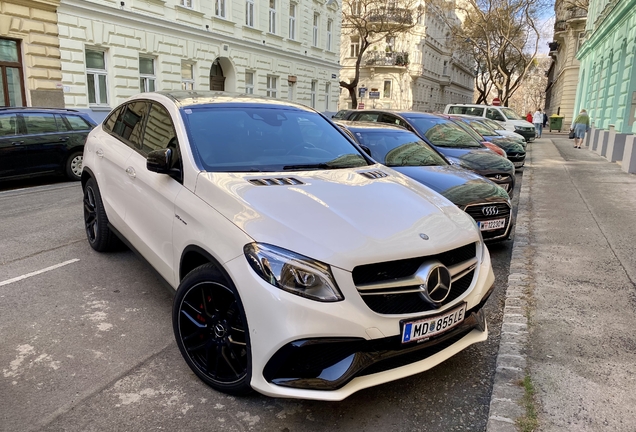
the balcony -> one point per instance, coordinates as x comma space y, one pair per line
391, 16
560, 26
377, 58
576, 14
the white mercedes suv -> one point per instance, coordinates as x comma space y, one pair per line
302, 268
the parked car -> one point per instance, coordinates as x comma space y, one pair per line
302, 268
514, 151
506, 116
342, 114
38, 141
451, 140
498, 127
405, 152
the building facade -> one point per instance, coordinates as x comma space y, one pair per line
414, 71
111, 50
563, 73
30, 67
607, 79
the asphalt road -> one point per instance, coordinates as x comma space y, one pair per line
88, 345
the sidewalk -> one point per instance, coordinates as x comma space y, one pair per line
576, 259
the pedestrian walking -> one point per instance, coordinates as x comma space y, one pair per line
580, 126
545, 119
537, 119
529, 117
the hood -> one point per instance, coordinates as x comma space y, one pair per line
340, 216
508, 144
483, 161
460, 186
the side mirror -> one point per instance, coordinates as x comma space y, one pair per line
366, 149
160, 161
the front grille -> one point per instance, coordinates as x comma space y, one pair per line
516, 157
370, 273
384, 301
477, 213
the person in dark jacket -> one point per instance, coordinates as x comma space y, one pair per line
545, 119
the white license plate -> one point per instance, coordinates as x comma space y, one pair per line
518, 164
492, 224
431, 326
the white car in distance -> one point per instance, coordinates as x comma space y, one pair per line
302, 268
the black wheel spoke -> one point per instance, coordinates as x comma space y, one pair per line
193, 320
197, 332
229, 363
193, 308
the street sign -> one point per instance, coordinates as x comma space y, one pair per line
374, 95
360, 105
496, 102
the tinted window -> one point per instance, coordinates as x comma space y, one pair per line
266, 139
77, 123
159, 133
442, 132
494, 114
129, 125
8, 125
109, 123
372, 117
398, 148
39, 123
473, 111
61, 125
386, 118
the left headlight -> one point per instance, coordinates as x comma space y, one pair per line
292, 272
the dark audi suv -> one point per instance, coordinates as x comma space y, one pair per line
37, 141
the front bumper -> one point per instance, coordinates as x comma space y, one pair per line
293, 338
529, 134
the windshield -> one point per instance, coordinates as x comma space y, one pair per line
481, 128
443, 133
398, 148
511, 114
239, 139
469, 130
492, 124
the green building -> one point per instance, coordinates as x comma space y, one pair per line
607, 80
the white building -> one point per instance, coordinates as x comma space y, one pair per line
416, 71
111, 50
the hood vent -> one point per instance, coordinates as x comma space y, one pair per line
376, 174
275, 181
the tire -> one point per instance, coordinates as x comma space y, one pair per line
100, 237
73, 166
211, 331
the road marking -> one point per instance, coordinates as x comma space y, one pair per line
35, 273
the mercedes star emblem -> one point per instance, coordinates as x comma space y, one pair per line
438, 285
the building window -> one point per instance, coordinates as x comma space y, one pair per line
329, 26
219, 8
316, 23
271, 86
249, 13
292, 21
96, 77
445, 68
272, 16
327, 91
387, 89
249, 82
312, 101
186, 3
11, 81
147, 76
356, 8
187, 76
354, 47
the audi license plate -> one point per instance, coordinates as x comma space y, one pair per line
492, 224
431, 326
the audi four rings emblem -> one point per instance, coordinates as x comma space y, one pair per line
490, 211
438, 284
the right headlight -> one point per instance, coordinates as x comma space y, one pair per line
292, 272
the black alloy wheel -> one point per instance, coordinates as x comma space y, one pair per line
211, 331
74, 166
100, 237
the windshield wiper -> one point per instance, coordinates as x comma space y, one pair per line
306, 166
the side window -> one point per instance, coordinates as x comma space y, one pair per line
160, 132
371, 117
493, 114
8, 125
129, 125
109, 123
39, 123
61, 124
77, 123
393, 120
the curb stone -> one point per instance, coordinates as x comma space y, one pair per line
505, 401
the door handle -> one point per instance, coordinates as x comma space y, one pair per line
100, 153
64, 138
16, 143
131, 172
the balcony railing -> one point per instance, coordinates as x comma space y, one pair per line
577, 13
391, 15
559, 26
377, 58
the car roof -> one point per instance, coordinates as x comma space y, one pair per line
401, 112
196, 98
38, 109
364, 125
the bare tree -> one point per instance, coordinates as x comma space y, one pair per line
503, 37
371, 21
